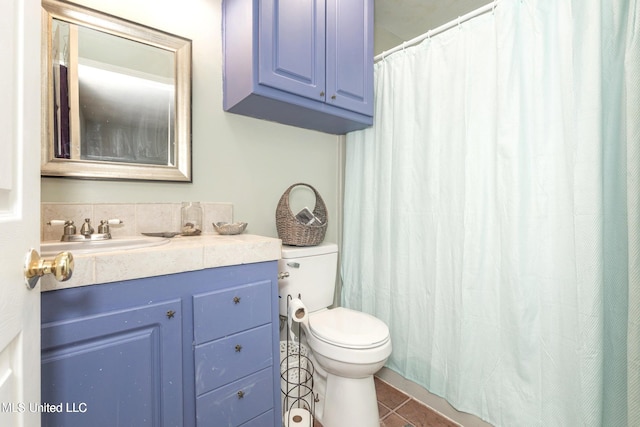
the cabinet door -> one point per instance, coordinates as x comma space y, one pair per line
349, 38
122, 367
292, 46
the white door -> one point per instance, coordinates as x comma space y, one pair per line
19, 211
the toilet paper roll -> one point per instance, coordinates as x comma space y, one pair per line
298, 417
297, 313
297, 310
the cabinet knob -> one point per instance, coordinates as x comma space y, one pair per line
238, 348
333, 97
171, 314
236, 300
322, 93
240, 394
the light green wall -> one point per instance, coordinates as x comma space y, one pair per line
384, 40
236, 159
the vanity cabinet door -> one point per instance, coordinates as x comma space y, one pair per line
115, 368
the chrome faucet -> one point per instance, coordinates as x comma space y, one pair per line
86, 231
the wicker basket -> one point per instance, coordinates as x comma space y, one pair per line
291, 231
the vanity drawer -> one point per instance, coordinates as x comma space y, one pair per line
221, 313
238, 402
222, 361
263, 420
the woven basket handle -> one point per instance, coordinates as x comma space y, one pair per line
319, 210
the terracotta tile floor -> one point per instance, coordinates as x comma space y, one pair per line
400, 410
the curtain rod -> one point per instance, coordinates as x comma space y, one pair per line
441, 29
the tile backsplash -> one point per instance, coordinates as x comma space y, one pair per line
137, 218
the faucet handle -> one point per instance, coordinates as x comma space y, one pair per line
69, 227
103, 228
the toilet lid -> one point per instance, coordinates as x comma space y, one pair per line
348, 328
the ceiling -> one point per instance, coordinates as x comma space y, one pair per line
400, 20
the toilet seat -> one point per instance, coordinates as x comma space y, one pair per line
347, 328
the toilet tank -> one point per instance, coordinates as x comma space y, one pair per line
312, 275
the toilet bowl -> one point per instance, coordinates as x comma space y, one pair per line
350, 354
348, 336
349, 346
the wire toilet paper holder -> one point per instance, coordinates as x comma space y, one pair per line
296, 374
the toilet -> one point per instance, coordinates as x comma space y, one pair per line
347, 346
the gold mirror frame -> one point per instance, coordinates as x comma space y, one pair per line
180, 170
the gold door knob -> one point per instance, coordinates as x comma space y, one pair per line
35, 267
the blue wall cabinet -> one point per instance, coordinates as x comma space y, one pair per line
192, 349
307, 63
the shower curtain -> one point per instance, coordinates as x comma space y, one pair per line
492, 213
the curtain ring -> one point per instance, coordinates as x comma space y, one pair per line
459, 23
493, 8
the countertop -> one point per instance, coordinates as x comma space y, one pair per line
179, 255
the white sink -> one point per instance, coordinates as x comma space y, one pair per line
48, 249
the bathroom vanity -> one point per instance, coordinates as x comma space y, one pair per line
199, 347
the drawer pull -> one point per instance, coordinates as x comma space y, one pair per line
240, 394
236, 300
238, 348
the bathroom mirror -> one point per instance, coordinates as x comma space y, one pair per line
116, 98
